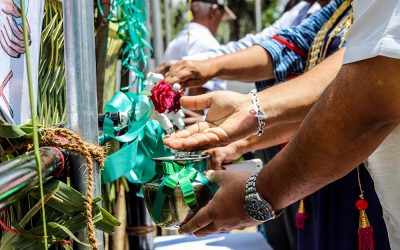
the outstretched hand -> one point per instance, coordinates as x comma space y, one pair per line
189, 73
229, 118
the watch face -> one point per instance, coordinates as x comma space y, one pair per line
257, 209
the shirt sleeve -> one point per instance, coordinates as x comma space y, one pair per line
285, 21
375, 31
286, 61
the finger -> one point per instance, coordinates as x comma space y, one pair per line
198, 102
215, 162
192, 120
6, 47
209, 229
178, 76
15, 29
216, 176
190, 83
18, 41
200, 140
197, 222
191, 113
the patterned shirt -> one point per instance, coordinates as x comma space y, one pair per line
286, 61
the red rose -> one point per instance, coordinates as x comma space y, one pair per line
162, 96
176, 105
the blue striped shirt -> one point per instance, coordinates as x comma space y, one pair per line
287, 62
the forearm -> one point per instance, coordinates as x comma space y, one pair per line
252, 64
272, 136
352, 117
290, 101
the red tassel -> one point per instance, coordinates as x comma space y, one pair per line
365, 230
301, 215
366, 238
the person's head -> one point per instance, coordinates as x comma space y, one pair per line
210, 13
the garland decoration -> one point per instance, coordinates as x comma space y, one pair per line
130, 15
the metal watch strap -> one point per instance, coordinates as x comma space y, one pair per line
251, 193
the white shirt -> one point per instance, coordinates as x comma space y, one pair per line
290, 18
194, 39
376, 31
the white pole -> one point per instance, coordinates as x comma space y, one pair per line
258, 15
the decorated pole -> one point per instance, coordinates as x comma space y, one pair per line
81, 92
18, 176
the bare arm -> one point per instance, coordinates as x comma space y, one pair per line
352, 117
290, 101
286, 103
250, 64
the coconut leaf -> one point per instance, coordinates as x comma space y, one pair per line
64, 213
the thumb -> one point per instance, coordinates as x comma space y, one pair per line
198, 102
215, 176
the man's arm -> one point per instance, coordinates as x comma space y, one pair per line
246, 65
348, 122
286, 103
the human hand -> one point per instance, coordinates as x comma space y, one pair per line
225, 211
11, 35
164, 67
229, 118
221, 155
189, 73
192, 117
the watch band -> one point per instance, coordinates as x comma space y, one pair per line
252, 195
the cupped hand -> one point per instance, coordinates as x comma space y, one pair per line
192, 117
189, 73
225, 211
229, 118
221, 155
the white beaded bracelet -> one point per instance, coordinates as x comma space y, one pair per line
259, 113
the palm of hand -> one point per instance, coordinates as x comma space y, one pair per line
227, 120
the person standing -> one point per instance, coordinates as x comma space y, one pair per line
199, 35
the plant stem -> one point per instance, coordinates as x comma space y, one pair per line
34, 125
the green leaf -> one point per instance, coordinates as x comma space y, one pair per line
67, 231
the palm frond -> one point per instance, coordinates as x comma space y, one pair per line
52, 87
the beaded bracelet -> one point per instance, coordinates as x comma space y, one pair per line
259, 113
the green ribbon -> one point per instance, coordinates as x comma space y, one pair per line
142, 141
130, 15
179, 174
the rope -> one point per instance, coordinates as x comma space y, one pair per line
89, 153
139, 231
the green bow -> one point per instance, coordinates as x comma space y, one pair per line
183, 175
142, 141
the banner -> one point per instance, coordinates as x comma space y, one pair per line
14, 92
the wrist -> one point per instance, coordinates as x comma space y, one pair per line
213, 67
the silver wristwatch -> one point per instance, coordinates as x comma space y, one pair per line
257, 207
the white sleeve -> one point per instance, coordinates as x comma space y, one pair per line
375, 32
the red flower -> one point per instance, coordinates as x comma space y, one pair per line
176, 105
162, 97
